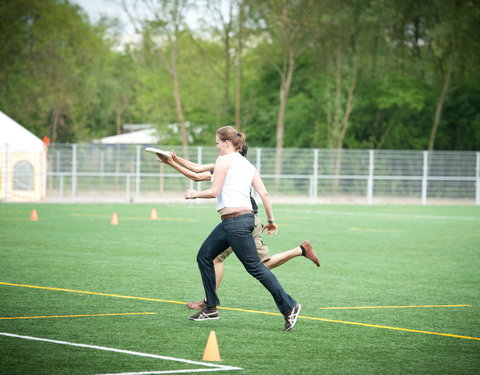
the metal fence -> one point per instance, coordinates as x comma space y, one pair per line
126, 173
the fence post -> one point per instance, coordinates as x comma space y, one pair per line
477, 184
5, 173
314, 180
425, 178
258, 165
61, 186
199, 161
127, 182
58, 173
74, 171
259, 160
102, 161
193, 185
57, 161
43, 171
137, 174
371, 164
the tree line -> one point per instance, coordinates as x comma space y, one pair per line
379, 74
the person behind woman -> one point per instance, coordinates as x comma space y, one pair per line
233, 176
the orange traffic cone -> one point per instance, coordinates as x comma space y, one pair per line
114, 219
211, 352
153, 214
34, 215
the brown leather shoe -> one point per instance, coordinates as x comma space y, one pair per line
309, 253
196, 305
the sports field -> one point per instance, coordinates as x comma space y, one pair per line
398, 292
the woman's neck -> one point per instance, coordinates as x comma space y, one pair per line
226, 152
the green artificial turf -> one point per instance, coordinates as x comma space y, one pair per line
386, 299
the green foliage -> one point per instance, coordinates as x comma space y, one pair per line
462, 120
402, 92
62, 76
48, 83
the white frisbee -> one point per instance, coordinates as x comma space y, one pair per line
156, 151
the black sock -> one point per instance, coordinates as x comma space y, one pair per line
303, 250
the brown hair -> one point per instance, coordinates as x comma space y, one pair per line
236, 138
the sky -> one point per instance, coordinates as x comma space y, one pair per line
98, 8
111, 8
94, 7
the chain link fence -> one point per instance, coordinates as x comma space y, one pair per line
126, 173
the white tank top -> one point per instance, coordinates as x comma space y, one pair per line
236, 188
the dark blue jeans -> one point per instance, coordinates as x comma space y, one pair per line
237, 233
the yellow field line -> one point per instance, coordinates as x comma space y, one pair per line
73, 316
136, 218
251, 311
389, 307
394, 328
92, 215
377, 230
94, 293
356, 323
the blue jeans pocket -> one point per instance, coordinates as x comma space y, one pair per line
241, 226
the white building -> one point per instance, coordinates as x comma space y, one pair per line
144, 136
148, 134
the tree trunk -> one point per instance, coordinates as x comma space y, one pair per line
345, 123
438, 111
335, 136
284, 89
238, 88
349, 105
54, 123
118, 121
227, 73
178, 98
338, 93
384, 136
172, 10
179, 110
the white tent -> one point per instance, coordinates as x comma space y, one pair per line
22, 163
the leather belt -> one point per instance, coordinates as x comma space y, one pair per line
234, 214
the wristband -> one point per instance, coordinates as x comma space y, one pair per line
271, 221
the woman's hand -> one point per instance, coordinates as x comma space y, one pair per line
164, 159
190, 194
174, 155
271, 228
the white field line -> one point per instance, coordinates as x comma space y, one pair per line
213, 367
170, 372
